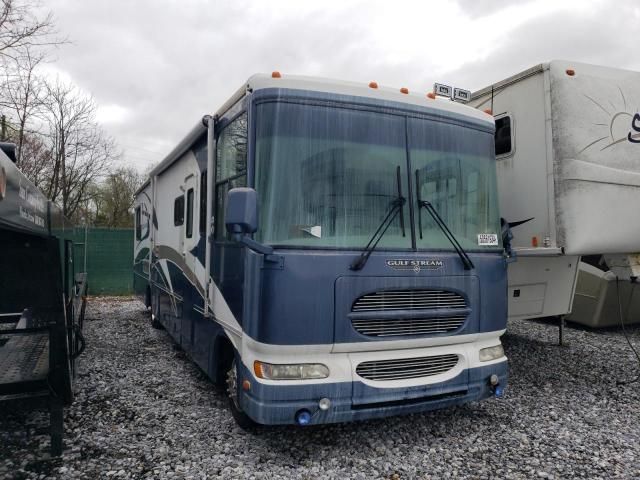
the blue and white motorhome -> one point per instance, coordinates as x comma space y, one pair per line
330, 251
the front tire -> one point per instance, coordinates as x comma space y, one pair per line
241, 418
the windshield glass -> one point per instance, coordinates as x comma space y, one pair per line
454, 170
326, 177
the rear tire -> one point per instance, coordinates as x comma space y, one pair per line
241, 418
154, 316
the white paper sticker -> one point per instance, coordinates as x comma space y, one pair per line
488, 239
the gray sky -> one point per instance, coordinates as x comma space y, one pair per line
156, 66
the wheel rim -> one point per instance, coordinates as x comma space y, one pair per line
232, 384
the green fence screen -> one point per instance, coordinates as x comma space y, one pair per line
109, 260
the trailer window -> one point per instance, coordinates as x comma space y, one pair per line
178, 211
503, 135
203, 202
189, 213
138, 224
231, 168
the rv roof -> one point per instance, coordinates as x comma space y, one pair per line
509, 81
297, 82
341, 87
555, 68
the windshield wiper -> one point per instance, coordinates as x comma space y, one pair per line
466, 261
397, 206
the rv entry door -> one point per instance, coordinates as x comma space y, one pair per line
190, 231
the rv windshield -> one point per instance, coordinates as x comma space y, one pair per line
327, 177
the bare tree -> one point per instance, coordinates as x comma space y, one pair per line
35, 158
81, 153
22, 95
22, 27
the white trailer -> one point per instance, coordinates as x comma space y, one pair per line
568, 161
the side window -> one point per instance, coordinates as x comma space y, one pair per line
138, 223
178, 211
503, 137
203, 202
189, 229
231, 168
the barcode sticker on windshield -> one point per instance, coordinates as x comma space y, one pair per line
488, 239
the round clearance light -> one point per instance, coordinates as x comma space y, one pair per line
303, 417
570, 71
276, 75
404, 90
488, 111
373, 84
324, 404
431, 95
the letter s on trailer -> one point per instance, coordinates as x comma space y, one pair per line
331, 295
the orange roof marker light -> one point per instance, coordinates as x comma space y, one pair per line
373, 84
570, 71
431, 95
276, 75
488, 111
404, 90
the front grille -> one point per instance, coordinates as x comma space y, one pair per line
407, 367
386, 300
376, 327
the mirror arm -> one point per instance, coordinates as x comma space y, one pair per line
252, 244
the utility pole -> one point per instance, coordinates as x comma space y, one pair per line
4, 128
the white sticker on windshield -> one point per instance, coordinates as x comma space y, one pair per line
488, 239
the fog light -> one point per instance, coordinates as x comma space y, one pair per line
303, 417
493, 380
491, 353
324, 404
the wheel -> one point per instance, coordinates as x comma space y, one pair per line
147, 298
241, 418
155, 323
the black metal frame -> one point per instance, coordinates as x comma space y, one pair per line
53, 340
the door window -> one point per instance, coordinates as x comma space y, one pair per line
178, 211
189, 229
231, 168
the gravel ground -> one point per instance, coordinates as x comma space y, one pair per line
144, 411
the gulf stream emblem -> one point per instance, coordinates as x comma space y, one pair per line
415, 265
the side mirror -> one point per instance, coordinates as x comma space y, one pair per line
241, 218
241, 215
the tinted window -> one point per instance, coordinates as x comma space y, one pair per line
178, 211
503, 135
189, 213
231, 167
138, 224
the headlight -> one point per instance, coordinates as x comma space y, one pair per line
491, 353
300, 371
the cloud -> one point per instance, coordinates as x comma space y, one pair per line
166, 63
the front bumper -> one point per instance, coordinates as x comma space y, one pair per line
278, 404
